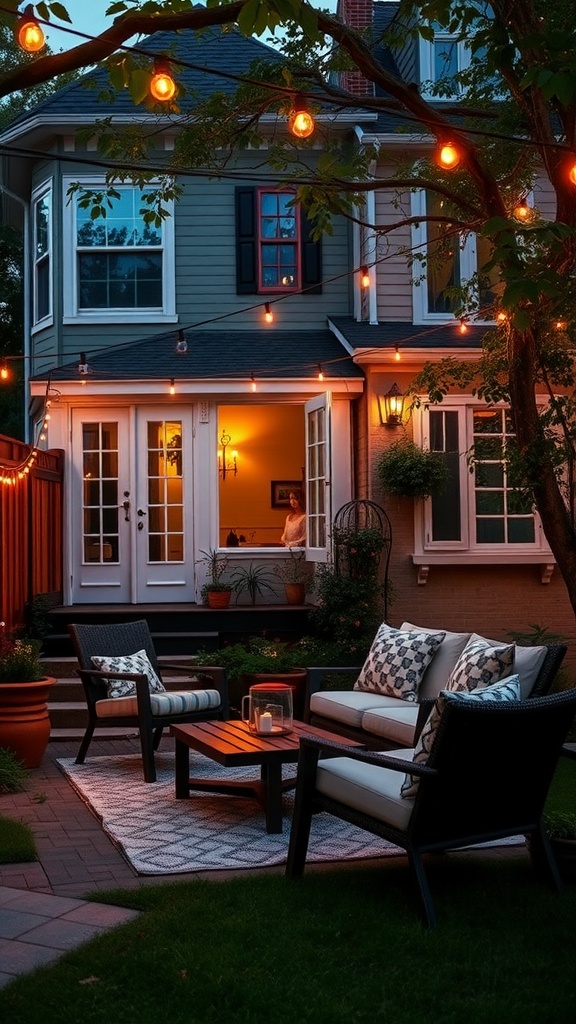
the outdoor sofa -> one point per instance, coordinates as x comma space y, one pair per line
382, 721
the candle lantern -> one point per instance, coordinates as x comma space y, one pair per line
267, 709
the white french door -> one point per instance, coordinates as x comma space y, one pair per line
318, 477
132, 505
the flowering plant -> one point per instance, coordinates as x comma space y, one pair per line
19, 659
294, 569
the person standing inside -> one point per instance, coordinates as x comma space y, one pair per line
294, 535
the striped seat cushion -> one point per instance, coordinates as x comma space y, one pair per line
171, 702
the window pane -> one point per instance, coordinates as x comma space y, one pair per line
490, 531
442, 259
521, 531
446, 506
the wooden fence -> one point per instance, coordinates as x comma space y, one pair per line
30, 529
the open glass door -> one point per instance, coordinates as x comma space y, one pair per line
318, 477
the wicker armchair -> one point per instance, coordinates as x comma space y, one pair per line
487, 777
150, 712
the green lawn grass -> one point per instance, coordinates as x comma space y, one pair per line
16, 842
336, 947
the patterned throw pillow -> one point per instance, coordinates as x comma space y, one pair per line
397, 661
481, 664
506, 691
138, 662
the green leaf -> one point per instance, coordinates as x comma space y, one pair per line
59, 11
138, 84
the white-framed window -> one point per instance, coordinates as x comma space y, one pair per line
117, 267
447, 55
42, 262
479, 512
445, 260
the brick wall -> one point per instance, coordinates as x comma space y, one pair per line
356, 14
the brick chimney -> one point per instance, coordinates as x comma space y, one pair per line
356, 14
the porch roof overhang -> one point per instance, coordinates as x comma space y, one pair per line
376, 344
215, 363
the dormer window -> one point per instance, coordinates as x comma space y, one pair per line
441, 59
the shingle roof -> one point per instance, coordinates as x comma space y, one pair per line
219, 355
214, 48
408, 336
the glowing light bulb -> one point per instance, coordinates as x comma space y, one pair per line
320, 373
301, 121
4, 373
463, 328
365, 277
572, 174
448, 156
268, 314
522, 211
172, 387
397, 356
162, 85
253, 384
29, 33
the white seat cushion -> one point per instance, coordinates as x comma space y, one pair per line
394, 724
171, 702
349, 706
439, 670
366, 787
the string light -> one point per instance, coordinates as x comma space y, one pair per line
463, 328
4, 372
181, 344
448, 156
162, 85
301, 122
320, 374
522, 211
268, 314
365, 277
397, 354
253, 384
172, 386
29, 33
572, 174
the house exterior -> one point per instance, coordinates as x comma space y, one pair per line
186, 418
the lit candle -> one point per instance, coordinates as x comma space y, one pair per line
265, 722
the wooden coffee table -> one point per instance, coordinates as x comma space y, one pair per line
231, 744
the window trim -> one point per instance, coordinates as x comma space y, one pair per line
468, 267
296, 243
72, 314
38, 323
466, 550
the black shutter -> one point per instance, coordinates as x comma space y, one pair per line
311, 258
246, 255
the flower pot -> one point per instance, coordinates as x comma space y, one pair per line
219, 598
295, 593
24, 720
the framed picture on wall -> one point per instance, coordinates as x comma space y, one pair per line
281, 492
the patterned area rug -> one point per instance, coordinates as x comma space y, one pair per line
160, 835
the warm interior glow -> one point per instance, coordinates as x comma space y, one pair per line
448, 156
30, 34
301, 123
162, 85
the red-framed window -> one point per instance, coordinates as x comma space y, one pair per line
279, 248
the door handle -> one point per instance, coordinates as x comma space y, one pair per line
126, 506
141, 512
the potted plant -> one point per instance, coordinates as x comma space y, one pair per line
252, 580
258, 660
560, 827
296, 575
412, 472
216, 593
24, 688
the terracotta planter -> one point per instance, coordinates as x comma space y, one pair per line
295, 593
24, 720
219, 598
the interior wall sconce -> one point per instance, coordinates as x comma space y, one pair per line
227, 463
391, 407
